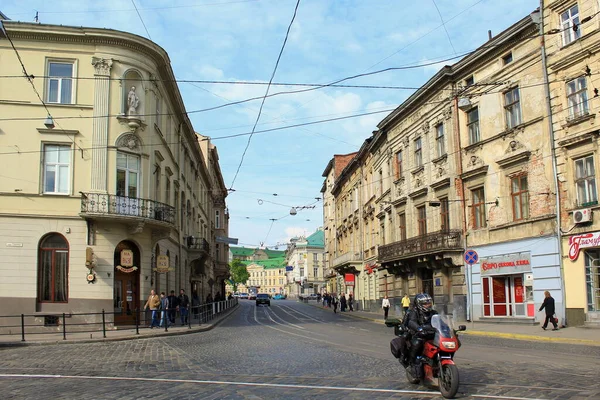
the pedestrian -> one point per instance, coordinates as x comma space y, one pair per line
209, 298
350, 302
324, 299
153, 303
548, 305
173, 303
164, 308
329, 299
343, 302
405, 303
385, 304
184, 304
334, 301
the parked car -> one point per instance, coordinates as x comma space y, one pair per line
243, 296
279, 296
263, 298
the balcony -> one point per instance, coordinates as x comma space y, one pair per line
346, 258
109, 206
436, 242
197, 243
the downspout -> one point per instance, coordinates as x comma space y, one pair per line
461, 193
554, 164
177, 222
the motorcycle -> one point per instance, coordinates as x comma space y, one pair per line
437, 359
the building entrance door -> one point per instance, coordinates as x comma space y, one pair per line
592, 283
427, 281
126, 297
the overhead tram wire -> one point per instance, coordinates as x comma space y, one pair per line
443, 24
141, 19
266, 93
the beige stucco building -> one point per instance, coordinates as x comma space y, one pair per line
305, 257
572, 38
117, 195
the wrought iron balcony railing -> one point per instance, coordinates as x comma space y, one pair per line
426, 244
111, 204
197, 243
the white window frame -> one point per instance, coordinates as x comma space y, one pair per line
577, 98
512, 108
585, 183
60, 80
567, 20
473, 127
440, 139
217, 219
58, 167
418, 152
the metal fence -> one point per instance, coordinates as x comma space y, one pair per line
26, 325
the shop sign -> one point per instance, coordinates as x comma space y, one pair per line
162, 264
506, 264
349, 279
126, 262
584, 241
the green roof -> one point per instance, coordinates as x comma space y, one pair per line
272, 263
317, 239
241, 251
274, 253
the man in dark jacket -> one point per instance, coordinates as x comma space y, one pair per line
548, 305
172, 302
419, 325
184, 305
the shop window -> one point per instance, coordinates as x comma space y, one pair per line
478, 208
53, 269
520, 197
585, 181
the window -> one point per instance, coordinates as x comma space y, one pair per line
439, 140
418, 153
380, 183
512, 108
217, 219
444, 215
302, 271
507, 59
470, 81
569, 24
520, 197
402, 226
577, 97
57, 169
315, 272
158, 113
60, 82
128, 167
473, 125
478, 208
53, 271
422, 220
398, 165
168, 192
585, 180
157, 183
315, 258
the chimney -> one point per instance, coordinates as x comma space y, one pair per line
489, 35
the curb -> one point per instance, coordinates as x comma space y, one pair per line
199, 329
514, 336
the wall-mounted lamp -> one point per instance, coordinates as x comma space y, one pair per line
48, 122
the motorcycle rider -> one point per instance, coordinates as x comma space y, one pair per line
419, 325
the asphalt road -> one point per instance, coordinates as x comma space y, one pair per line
289, 350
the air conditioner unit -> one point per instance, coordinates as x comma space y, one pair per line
583, 215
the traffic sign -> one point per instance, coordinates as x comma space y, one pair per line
289, 268
471, 257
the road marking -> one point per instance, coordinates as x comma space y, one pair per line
256, 384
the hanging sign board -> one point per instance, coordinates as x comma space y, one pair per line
162, 264
349, 279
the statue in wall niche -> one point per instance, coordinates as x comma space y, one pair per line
132, 102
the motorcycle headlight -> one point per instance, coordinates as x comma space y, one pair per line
449, 344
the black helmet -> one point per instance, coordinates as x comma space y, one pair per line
423, 302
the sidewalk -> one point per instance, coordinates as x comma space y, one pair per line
569, 335
32, 339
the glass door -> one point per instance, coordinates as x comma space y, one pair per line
126, 297
496, 296
592, 280
128, 166
519, 308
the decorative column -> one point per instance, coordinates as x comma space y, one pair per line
100, 123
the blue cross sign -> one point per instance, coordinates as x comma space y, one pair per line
471, 257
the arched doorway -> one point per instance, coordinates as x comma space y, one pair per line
126, 297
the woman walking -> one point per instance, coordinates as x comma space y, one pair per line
385, 304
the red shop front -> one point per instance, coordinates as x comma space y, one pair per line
507, 285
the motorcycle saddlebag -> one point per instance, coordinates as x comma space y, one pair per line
397, 346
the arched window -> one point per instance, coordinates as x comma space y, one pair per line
53, 269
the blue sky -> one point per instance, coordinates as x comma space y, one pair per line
239, 40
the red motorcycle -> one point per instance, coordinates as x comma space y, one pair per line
437, 360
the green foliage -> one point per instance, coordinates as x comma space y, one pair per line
239, 273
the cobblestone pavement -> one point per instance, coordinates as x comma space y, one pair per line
289, 350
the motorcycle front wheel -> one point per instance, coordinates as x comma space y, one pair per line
448, 380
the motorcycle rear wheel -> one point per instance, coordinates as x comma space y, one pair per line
448, 381
409, 376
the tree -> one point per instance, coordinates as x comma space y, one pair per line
239, 273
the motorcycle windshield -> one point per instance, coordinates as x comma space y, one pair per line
442, 325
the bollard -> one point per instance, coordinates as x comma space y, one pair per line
22, 327
103, 324
64, 327
137, 321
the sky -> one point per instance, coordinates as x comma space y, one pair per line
237, 42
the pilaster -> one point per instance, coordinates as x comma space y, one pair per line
102, 68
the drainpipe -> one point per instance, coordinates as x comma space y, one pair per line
459, 170
554, 164
177, 205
